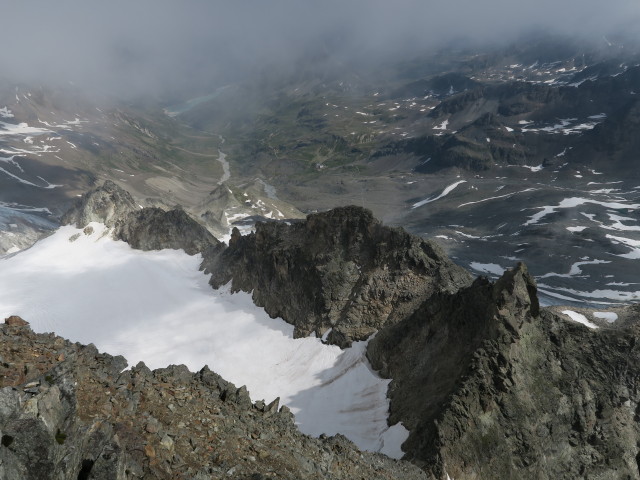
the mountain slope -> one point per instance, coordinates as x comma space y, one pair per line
493, 387
68, 411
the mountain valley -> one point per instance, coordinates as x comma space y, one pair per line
418, 268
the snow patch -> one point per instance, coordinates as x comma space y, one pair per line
575, 202
444, 193
577, 317
132, 303
442, 126
608, 316
491, 268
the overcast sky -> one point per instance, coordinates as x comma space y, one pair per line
143, 45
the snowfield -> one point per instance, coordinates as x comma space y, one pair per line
157, 307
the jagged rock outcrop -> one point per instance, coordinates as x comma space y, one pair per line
154, 229
68, 411
493, 387
143, 228
341, 270
108, 204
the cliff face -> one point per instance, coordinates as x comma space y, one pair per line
68, 411
339, 270
492, 387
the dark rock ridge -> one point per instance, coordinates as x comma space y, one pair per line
154, 229
143, 228
341, 270
493, 387
68, 411
489, 384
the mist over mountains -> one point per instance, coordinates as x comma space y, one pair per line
160, 47
414, 225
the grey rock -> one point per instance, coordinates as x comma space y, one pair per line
108, 204
492, 386
155, 229
143, 228
92, 421
341, 270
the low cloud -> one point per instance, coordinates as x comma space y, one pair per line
155, 46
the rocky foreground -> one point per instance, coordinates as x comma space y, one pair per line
68, 411
490, 385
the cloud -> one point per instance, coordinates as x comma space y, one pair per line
147, 46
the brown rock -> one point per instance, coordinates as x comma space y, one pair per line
15, 321
150, 451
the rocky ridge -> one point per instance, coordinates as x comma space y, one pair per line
148, 228
489, 384
340, 270
493, 387
68, 411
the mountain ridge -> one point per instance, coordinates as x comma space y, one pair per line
478, 368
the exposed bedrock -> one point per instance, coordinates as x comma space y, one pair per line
143, 228
340, 270
492, 387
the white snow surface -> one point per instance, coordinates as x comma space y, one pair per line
575, 202
20, 129
157, 307
578, 317
634, 254
444, 193
608, 316
492, 268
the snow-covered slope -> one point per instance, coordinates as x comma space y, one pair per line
157, 307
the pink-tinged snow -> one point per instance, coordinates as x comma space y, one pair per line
578, 317
157, 307
444, 193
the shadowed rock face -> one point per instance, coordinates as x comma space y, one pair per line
68, 411
339, 270
142, 228
492, 387
155, 229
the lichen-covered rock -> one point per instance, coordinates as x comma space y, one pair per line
68, 411
341, 270
493, 387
